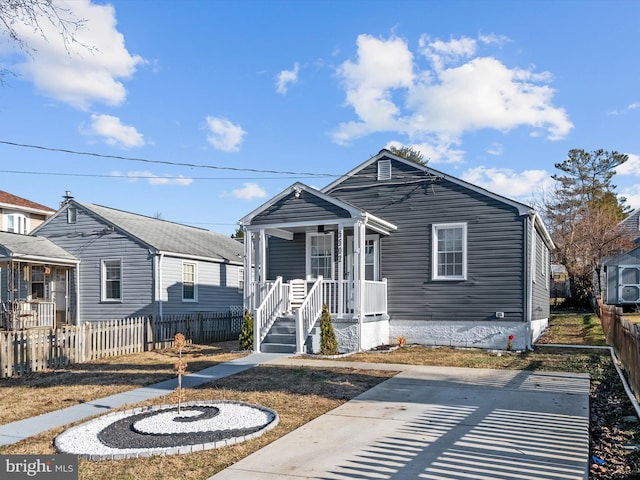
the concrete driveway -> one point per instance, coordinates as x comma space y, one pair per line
438, 423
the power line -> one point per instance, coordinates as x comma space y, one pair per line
142, 177
164, 162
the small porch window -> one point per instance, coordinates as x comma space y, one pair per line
320, 255
189, 290
37, 282
449, 251
112, 280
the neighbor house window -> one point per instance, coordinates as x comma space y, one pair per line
189, 293
112, 280
450, 251
241, 279
16, 223
37, 282
320, 255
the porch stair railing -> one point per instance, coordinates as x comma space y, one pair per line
270, 308
308, 314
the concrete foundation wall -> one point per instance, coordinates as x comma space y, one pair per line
494, 336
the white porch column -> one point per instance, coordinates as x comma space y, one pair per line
340, 283
247, 278
263, 256
359, 236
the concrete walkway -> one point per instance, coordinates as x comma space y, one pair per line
438, 423
16, 431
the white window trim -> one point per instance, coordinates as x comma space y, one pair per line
195, 282
241, 279
20, 222
308, 254
434, 251
103, 281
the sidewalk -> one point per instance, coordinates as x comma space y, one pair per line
16, 431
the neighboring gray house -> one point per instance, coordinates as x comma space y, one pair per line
631, 226
132, 265
394, 248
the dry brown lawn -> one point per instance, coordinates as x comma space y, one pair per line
297, 394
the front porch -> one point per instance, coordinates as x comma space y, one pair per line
306, 249
288, 300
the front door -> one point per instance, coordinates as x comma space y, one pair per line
371, 264
371, 258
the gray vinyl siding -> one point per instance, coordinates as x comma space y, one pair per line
287, 258
306, 207
90, 240
540, 297
495, 246
216, 283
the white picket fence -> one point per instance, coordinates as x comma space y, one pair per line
36, 350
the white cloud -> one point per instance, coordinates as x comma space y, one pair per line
249, 191
458, 92
631, 166
114, 132
87, 70
224, 135
509, 183
632, 196
286, 77
154, 179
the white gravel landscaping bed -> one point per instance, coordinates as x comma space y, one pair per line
160, 430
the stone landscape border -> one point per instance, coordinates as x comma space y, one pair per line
89, 441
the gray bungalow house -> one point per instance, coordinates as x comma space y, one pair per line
394, 248
133, 265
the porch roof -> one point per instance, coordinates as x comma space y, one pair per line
33, 249
347, 212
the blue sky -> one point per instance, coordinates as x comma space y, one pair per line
201, 100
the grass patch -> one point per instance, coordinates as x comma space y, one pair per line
300, 394
44, 392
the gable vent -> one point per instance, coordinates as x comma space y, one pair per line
384, 169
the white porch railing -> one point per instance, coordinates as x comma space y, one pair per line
375, 297
308, 314
18, 315
267, 312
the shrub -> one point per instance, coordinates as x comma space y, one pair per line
246, 332
328, 342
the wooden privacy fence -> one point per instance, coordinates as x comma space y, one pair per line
624, 336
36, 350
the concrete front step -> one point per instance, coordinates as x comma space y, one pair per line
277, 348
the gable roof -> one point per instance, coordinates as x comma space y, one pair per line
29, 248
8, 200
353, 211
384, 153
168, 237
523, 209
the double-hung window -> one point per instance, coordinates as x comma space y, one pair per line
449, 251
189, 288
112, 280
320, 255
37, 282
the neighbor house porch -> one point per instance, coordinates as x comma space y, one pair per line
296, 265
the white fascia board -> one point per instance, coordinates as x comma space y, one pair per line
44, 260
280, 233
306, 223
